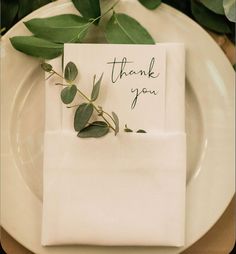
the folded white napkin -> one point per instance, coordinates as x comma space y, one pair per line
123, 190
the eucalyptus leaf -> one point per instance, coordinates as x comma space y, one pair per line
123, 29
46, 67
150, 4
126, 129
230, 9
68, 94
71, 72
62, 28
82, 116
36, 47
89, 9
214, 5
96, 89
116, 120
94, 130
141, 131
209, 19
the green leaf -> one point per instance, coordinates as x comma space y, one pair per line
94, 130
116, 120
96, 89
9, 11
36, 47
89, 9
234, 66
122, 29
46, 67
68, 94
230, 9
71, 72
62, 28
141, 131
126, 129
214, 5
26, 6
150, 4
209, 19
82, 116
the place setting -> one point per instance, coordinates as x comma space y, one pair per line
116, 129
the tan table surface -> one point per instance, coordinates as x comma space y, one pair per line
219, 239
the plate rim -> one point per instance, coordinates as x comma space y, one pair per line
171, 9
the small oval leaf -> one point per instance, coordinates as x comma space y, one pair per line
68, 94
46, 67
141, 131
82, 116
150, 4
122, 29
116, 120
36, 47
94, 130
126, 129
71, 72
89, 9
62, 28
96, 89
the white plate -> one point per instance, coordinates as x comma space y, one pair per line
210, 120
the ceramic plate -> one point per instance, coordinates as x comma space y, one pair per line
209, 123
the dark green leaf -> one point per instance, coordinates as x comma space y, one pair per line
122, 29
230, 10
234, 66
96, 89
82, 116
94, 130
68, 94
214, 5
46, 67
62, 28
150, 4
116, 119
89, 9
141, 131
71, 72
9, 11
26, 6
127, 129
209, 19
36, 47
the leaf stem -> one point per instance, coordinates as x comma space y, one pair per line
109, 116
93, 21
86, 98
97, 109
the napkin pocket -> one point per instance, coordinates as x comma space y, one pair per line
123, 190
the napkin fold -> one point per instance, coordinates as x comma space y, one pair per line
127, 190
123, 190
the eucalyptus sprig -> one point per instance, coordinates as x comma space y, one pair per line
87, 109
50, 34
